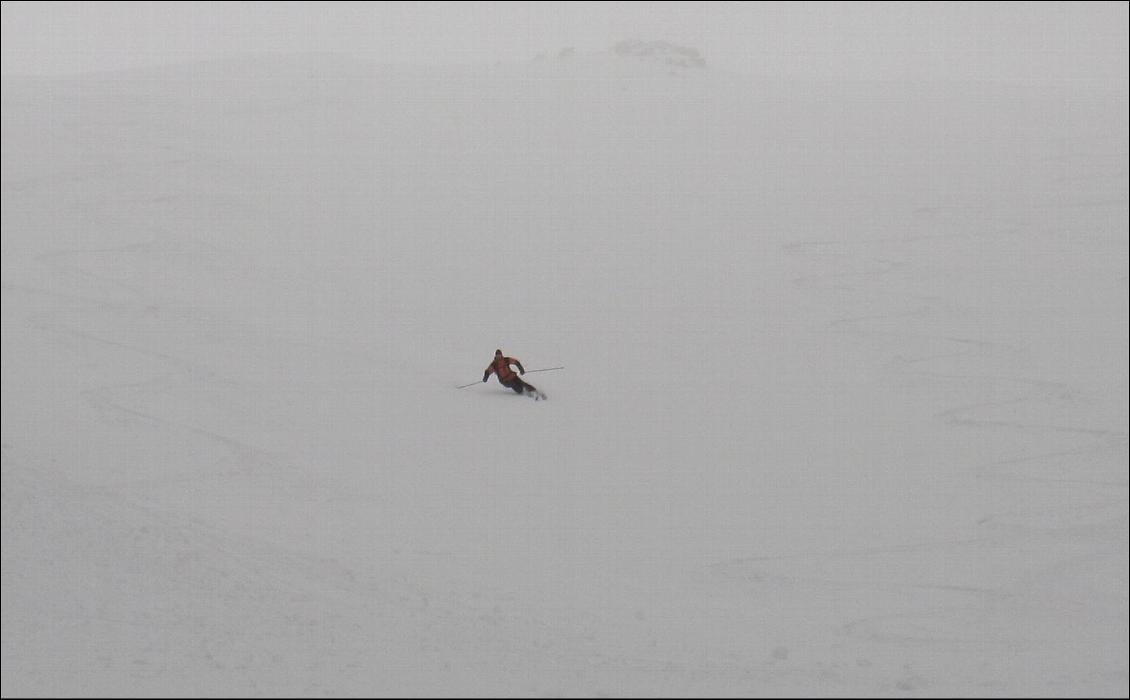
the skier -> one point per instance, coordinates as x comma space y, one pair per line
507, 378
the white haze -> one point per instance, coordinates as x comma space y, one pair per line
1082, 43
844, 406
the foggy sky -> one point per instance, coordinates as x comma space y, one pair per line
1016, 42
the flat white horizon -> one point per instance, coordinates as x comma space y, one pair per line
1031, 43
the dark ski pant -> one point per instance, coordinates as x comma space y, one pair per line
519, 386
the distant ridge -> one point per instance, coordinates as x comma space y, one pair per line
660, 52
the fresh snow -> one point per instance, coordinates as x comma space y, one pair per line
844, 409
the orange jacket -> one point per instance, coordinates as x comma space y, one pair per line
501, 367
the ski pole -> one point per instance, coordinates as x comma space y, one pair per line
547, 369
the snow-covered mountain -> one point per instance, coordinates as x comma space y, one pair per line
844, 408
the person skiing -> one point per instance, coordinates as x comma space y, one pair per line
506, 377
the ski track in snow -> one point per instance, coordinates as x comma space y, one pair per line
996, 528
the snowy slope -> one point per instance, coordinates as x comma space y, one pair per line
844, 410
